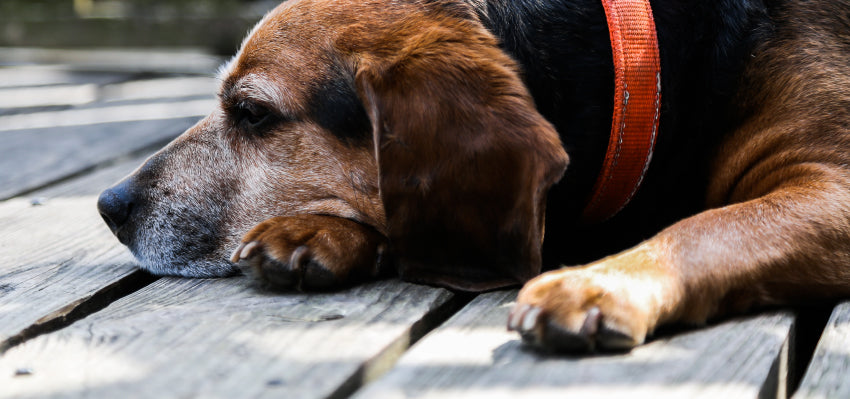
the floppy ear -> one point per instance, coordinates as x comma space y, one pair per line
464, 158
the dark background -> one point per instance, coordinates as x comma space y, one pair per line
214, 26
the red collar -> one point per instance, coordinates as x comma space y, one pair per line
637, 101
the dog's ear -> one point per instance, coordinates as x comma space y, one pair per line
465, 160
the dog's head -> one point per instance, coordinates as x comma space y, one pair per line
403, 116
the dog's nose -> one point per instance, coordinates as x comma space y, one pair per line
115, 205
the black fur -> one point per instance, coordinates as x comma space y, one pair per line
564, 49
334, 105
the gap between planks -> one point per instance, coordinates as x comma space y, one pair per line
80, 308
827, 373
223, 338
473, 356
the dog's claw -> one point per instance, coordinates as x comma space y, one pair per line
591, 322
516, 316
529, 321
524, 319
244, 251
235, 256
299, 257
301, 272
540, 331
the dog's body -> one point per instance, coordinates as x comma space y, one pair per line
374, 135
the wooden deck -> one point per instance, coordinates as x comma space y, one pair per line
77, 319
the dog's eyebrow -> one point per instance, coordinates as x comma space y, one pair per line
255, 87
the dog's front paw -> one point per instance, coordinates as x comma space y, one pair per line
611, 305
310, 252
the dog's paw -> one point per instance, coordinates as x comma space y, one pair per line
310, 252
604, 306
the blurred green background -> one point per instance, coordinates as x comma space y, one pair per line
214, 26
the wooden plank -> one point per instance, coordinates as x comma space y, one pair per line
177, 60
46, 96
91, 184
33, 158
173, 87
215, 338
828, 375
223, 338
117, 118
473, 356
53, 258
58, 258
64, 95
111, 113
42, 75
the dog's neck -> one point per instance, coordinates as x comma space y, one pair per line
564, 49
636, 91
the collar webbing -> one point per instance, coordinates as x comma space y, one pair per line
637, 101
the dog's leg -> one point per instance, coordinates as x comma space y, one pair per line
789, 245
780, 228
310, 252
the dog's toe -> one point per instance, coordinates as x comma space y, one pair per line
538, 329
523, 319
308, 252
300, 271
580, 311
256, 262
244, 253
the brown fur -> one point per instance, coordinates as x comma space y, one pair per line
422, 80
450, 185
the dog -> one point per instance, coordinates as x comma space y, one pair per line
439, 140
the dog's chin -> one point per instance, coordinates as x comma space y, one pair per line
194, 268
169, 261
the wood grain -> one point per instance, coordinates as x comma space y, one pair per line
223, 338
41, 98
53, 258
58, 258
92, 183
179, 60
41, 75
473, 356
34, 158
828, 375
44, 143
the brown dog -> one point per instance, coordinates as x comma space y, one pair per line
430, 137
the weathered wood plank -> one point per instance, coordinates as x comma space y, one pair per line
13, 99
56, 258
179, 60
173, 87
33, 158
46, 96
104, 114
41, 75
116, 118
273, 345
223, 338
53, 258
828, 375
473, 356
91, 184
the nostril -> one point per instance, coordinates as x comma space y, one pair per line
115, 207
